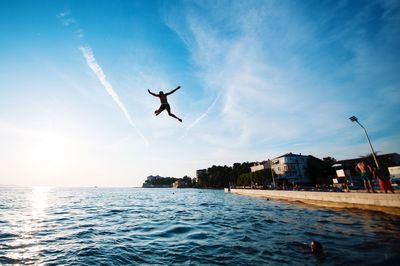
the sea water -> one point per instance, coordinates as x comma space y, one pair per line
120, 226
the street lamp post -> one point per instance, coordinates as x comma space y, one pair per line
355, 119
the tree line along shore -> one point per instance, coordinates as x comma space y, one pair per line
318, 173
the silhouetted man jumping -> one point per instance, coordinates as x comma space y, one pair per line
164, 102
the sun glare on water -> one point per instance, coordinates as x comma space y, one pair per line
39, 200
27, 247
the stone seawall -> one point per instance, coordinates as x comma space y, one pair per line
389, 203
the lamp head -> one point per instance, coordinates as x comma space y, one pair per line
353, 119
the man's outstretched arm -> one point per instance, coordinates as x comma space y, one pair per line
174, 90
152, 93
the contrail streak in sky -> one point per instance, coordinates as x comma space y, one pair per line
98, 71
202, 115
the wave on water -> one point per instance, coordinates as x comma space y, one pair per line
186, 226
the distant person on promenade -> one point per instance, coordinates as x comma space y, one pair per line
366, 174
164, 102
384, 180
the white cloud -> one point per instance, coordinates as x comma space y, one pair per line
69, 21
272, 67
66, 18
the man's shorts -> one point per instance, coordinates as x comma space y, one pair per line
165, 106
366, 176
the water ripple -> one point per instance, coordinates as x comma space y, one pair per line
192, 227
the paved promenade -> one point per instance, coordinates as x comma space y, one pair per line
389, 203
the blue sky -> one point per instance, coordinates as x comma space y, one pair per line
259, 79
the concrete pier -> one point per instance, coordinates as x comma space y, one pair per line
389, 203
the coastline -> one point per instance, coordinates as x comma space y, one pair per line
388, 203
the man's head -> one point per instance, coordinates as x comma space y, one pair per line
161, 92
316, 247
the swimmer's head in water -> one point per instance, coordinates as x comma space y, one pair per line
161, 92
315, 246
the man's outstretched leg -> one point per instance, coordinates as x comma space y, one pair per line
171, 114
157, 112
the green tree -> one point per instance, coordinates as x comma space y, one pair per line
329, 160
188, 181
320, 171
